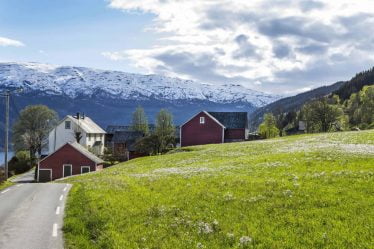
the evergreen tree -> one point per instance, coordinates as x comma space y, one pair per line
140, 121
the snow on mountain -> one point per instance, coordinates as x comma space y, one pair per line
78, 81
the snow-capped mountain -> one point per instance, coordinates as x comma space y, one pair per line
79, 81
110, 97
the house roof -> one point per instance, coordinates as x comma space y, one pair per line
128, 137
231, 120
80, 149
87, 124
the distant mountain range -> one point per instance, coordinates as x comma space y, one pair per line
110, 97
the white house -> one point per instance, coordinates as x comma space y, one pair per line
74, 128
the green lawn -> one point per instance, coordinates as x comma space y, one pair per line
309, 191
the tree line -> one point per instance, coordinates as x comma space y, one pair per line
326, 114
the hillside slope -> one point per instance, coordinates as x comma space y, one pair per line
293, 103
343, 89
309, 191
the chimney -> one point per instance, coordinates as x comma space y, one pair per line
77, 115
83, 116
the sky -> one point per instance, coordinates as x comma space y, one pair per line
275, 46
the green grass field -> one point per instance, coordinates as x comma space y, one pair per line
309, 191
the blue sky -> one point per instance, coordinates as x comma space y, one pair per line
276, 46
71, 32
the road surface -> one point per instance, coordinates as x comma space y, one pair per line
31, 216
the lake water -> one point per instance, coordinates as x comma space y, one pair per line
2, 154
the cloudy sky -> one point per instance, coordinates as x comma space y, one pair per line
276, 46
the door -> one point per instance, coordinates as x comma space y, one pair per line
45, 175
67, 170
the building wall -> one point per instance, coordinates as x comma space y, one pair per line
194, 133
64, 136
235, 134
66, 155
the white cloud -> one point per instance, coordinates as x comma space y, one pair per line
6, 42
271, 45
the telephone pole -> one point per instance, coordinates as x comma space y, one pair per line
7, 94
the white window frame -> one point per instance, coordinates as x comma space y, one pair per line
202, 120
89, 169
63, 169
50, 170
68, 121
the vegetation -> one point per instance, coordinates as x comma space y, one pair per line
20, 163
32, 127
268, 128
162, 139
294, 103
307, 191
140, 121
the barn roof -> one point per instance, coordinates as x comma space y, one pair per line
85, 152
80, 149
232, 120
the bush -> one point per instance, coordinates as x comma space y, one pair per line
20, 163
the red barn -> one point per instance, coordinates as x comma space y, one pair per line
70, 159
214, 127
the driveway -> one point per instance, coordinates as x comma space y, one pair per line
31, 215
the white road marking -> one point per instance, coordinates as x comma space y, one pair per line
61, 197
19, 185
58, 210
5, 191
54, 230
65, 189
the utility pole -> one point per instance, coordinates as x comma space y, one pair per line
7, 94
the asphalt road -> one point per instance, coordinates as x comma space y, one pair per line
31, 216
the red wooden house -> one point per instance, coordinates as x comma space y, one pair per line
214, 127
70, 159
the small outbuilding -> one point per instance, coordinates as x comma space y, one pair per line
214, 127
70, 159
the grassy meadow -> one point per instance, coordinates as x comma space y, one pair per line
308, 191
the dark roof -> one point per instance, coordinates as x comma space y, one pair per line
127, 137
232, 120
111, 129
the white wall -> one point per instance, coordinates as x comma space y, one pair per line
64, 136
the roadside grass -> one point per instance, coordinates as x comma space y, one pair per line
5, 184
308, 191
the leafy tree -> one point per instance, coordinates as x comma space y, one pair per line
322, 117
165, 130
268, 128
140, 121
149, 145
32, 128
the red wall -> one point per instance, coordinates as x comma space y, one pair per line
234, 134
66, 155
194, 133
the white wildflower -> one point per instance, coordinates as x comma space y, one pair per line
288, 193
245, 240
204, 228
200, 245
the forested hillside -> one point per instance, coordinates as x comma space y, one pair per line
343, 89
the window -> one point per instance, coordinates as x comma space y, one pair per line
89, 137
202, 120
85, 169
67, 125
